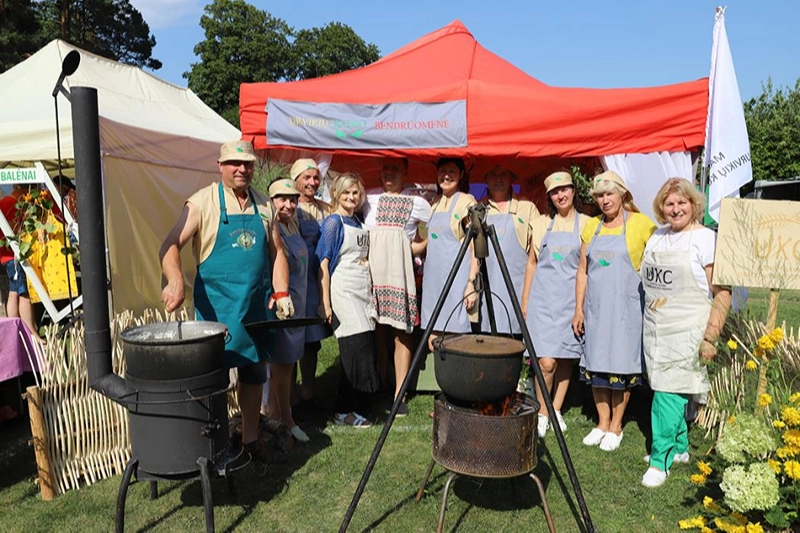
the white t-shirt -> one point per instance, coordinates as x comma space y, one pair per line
420, 213
701, 243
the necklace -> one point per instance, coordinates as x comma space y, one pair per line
681, 234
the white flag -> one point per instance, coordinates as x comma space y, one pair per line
727, 150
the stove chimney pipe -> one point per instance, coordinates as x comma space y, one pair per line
88, 171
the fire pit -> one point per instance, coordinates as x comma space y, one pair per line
485, 441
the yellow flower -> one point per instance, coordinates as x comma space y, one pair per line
731, 420
692, 523
704, 468
766, 343
711, 505
792, 438
778, 424
795, 398
698, 479
732, 344
775, 466
792, 469
740, 518
750, 365
729, 527
705, 529
754, 528
787, 451
791, 415
759, 352
764, 400
776, 335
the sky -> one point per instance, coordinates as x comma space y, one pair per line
586, 43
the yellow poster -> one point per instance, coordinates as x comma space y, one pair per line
758, 244
51, 265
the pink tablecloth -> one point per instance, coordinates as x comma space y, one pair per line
13, 357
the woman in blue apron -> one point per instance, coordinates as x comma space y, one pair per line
346, 286
548, 297
446, 232
681, 322
290, 341
609, 302
511, 218
310, 214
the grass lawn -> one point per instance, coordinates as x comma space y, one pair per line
788, 307
312, 490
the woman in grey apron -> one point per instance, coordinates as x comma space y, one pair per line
681, 323
290, 341
505, 213
549, 293
449, 214
310, 213
610, 284
346, 285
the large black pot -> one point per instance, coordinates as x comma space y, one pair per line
178, 410
477, 368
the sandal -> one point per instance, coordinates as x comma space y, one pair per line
351, 419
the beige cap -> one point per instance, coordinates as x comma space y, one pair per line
282, 187
301, 165
609, 175
557, 179
237, 151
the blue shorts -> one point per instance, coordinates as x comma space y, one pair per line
17, 280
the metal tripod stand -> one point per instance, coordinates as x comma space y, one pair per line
478, 233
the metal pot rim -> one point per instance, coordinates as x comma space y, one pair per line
198, 331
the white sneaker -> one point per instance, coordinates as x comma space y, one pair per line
561, 423
679, 458
594, 437
611, 441
299, 434
541, 425
654, 477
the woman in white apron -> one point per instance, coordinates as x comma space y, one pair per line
548, 296
393, 218
446, 232
346, 288
681, 322
608, 290
512, 220
290, 342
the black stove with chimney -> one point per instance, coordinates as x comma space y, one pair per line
175, 386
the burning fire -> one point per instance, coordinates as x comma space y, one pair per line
510, 405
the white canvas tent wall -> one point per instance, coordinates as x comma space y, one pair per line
159, 144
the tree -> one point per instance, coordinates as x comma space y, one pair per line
331, 49
110, 28
773, 125
242, 44
19, 28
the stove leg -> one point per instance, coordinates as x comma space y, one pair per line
208, 503
550, 526
231, 485
153, 490
425, 481
450, 478
130, 468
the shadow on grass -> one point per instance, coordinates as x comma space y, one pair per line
567, 491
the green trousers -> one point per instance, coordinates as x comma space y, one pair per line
670, 433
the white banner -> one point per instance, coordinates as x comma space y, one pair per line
727, 150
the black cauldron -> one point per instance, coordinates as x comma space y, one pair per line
477, 368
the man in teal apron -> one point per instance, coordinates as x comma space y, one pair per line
240, 260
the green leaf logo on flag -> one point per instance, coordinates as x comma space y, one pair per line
604, 263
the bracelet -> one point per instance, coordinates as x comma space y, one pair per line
278, 295
709, 341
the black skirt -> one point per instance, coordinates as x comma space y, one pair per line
359, 361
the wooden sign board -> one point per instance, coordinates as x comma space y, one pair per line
758, 244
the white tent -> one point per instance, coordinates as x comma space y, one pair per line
158, 143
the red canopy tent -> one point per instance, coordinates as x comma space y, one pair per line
509, 114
